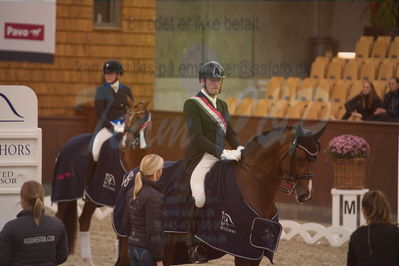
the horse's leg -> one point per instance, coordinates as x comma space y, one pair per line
123, 259
84, 227
169, 249
68, 214
245, 262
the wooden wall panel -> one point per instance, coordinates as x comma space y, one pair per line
82, 49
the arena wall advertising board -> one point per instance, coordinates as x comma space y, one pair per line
27, 30
20, 146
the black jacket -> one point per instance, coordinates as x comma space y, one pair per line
355, 104
24, 243
205, 135
143, 219
374, 245
110, 105
391, 104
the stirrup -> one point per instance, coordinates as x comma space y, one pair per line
197, 254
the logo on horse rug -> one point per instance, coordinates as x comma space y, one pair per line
109, 182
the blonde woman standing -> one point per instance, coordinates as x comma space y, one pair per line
376, 243
143, 217
33, 238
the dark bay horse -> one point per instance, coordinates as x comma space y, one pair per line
128, 154
278, 160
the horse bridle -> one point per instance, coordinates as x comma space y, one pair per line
132, 131
291, 178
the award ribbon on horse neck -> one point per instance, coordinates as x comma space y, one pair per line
211, 111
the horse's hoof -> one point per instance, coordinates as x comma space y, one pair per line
88, 261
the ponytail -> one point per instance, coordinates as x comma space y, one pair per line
149, 165
138, 184
32, 195
37, 210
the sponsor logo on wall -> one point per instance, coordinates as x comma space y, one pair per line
24, 31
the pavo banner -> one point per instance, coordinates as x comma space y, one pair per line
27, 30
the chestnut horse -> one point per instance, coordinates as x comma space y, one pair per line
281, 154
130, 155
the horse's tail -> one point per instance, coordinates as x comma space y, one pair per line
68, 214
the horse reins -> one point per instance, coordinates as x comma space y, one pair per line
290, 178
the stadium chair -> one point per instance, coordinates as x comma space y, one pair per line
351, 69
368, 70
278, 109
318, 110
262, 108
368, 39
273, 88
322, 90
338, 60
318, 69
386, 39
288, 89
305, 89
380, 87
296, 109
245, 107
362, 49
337, 110
232, 104
334, 70
394, 49
380, 50
386, 70
340, 91
325, 60
355, 88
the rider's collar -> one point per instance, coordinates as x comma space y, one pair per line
115, 86
212, 100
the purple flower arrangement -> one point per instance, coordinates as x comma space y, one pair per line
348, 147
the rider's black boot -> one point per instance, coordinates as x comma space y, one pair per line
196, 251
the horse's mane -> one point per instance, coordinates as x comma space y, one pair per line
265, 135
275, 135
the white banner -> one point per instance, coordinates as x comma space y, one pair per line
27, 30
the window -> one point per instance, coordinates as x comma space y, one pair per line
107, 13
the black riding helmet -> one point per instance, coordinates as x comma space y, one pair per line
113, 66
211, 69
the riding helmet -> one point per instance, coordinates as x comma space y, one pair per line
211, 69
113, 66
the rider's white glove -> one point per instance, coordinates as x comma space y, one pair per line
237, 153
228, 155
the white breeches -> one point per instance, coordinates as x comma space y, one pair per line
198, 177
99, 139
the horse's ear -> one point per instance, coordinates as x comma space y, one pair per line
129, 100
147, 105
320, 132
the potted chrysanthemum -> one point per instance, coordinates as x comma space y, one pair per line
349, 154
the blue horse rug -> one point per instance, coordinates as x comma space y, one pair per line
71, 168
228, 224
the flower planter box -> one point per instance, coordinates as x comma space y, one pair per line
349, 173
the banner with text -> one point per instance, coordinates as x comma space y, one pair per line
27, 30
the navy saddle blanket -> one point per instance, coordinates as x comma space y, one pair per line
228, 224
71, 168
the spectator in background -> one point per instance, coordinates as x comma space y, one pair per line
364, 104
143, 216
33, 238
376, 243
390, 107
